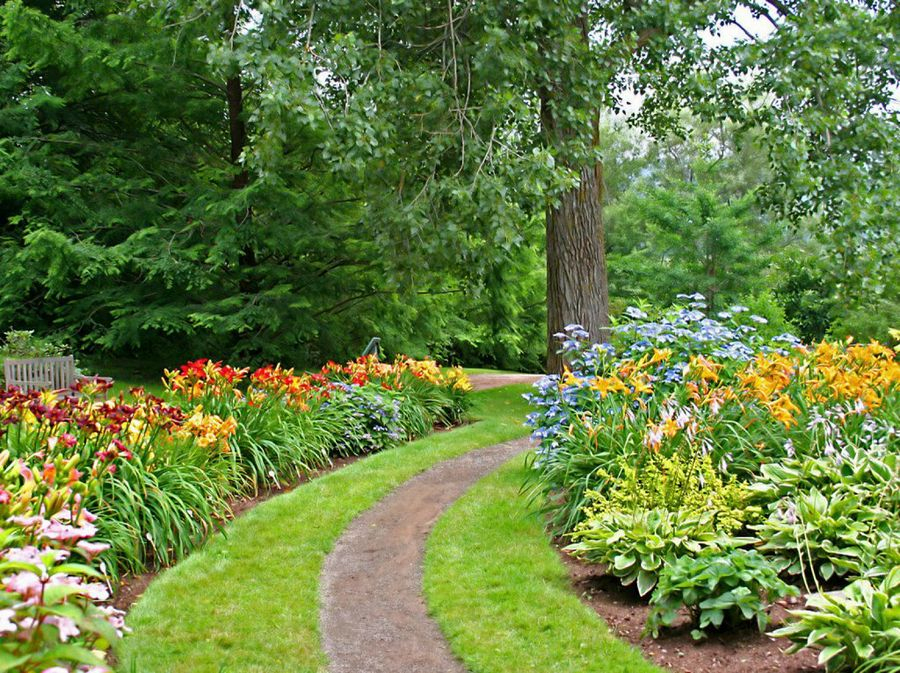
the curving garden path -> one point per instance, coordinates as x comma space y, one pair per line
485, 381
374, 618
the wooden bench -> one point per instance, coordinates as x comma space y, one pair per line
57, 373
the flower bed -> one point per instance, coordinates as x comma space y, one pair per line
717, 471
91, 489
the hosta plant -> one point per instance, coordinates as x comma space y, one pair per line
718, 588
857, 629
635, 545
872, 474
819, 537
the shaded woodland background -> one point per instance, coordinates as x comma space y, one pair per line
143, 221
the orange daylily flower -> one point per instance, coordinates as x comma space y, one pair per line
608, 384
670, 428
706, 369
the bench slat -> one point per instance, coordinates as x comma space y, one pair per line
40, 373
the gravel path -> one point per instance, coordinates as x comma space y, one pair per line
374, 618
483, 381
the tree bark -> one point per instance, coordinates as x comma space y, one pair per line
577, 289
234, 92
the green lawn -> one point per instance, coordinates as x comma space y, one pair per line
153, 386
249, 602
502, 596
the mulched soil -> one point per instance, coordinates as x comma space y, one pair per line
743, 650
132, 587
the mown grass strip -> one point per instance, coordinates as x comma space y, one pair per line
249, 601
501, 595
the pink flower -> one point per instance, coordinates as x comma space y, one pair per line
54, 530
27, 584
115, 617
92, 549
25, 471
23, 555
6, 623
33, 555
87, 516
96, 591
68, 439
5, 496
26, 521
67, 628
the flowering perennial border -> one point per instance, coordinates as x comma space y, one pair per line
92, 488
689, 437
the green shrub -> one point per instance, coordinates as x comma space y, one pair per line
808, 292
673, 484
635, 545
872, 317
718, 588
23, 344
857, 629
765, 304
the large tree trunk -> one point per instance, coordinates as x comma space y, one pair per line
237, 129
577, 290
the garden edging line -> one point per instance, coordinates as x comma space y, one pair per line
374, 618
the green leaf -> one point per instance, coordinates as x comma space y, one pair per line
623, 562
645, 582
8, 662
73, 653
829, 653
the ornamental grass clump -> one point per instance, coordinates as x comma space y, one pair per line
790, 448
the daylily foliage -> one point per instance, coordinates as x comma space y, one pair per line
91, 488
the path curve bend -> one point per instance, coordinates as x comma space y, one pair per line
374, 617
495, 380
